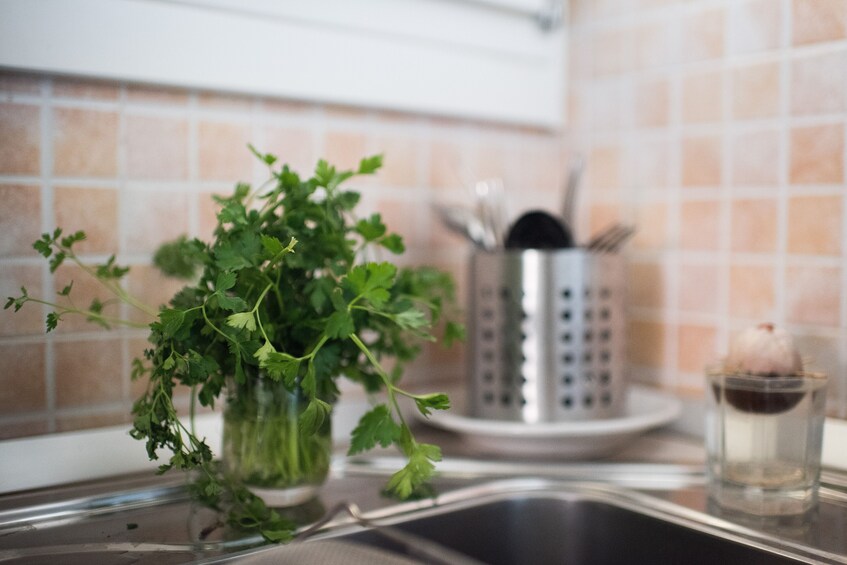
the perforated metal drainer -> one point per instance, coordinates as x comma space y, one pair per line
547, 335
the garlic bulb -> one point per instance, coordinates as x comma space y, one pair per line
764, 350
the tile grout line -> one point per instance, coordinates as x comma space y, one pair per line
48, 222
842, 342
780, 288
675, 130
193, 150
726, 199
122, 158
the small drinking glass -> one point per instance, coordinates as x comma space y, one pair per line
764, 437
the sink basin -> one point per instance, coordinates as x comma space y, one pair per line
539, 522
568, 528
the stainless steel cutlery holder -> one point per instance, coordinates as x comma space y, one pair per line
546, 341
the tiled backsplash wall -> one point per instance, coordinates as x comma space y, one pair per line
717, 126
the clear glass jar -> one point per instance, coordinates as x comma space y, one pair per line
263, 447
764, 437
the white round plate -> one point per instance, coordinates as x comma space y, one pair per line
645, 409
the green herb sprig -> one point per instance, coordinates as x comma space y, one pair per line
282, 294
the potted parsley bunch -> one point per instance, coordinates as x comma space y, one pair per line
282, 305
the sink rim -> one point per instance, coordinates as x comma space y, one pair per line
645, 503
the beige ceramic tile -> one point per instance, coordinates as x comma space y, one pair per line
701, 161
88, 372
151, 287
821, 355
815, 21
815, 225
447, 159
654, 4
700, 225
20, 219
702, 34
344, 149
222, 152
85, 142
603, 167
29, 320
86, 89
702, 99
292, 146
754, 225
156, 148
755, 91
207, 215
819, 84
25, 427
609, 106
154, 220
648, 284
753, 157
752, 292
225, 101
399, 161
93, 210
401, 216
651, 224
609, 52
397, 118
697, 346
652, 103
651, 165
646, 343
20, 139
491, 159
817, 154
756, 25
580, 56
19, 83
345, 112
22, 378
278, 107
579, 11
576, 107
606, 9
98, 419
813, 295
698, 288
650, 45
149, 94
600, 217
541, 165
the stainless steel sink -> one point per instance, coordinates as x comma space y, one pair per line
580, 513
544, 521
575, 525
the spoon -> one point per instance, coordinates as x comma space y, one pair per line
539, 230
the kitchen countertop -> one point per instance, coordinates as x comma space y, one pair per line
143, 518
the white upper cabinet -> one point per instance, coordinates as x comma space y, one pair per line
500, 60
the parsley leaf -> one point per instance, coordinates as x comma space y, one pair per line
375, 427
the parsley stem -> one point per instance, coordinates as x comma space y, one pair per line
213, 326
389, 386
62, 310
115, 289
